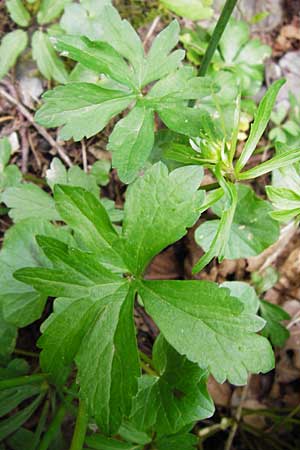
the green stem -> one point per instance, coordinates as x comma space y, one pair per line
209, 187
19, 351
55, 425
216, 36
80, 427
146, 368
20, 381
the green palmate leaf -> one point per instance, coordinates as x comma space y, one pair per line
258, 127
97, 56
21, 304
273, 329
131, 142
49, 64
9, 175
83, 108
97, 316
28, 200
160, 62
189, 312
50, 10
177, 442
18, 12
285, 201
194, 10
158, 210
176, 398
87, 216
12, 45
252, 230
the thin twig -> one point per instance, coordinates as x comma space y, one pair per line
40, 129
24, 149
84, 156
151, 31
238, 416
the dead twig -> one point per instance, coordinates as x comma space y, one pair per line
84, 156
151, 31
24, 111
24, 149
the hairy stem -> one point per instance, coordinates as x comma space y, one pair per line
216, 36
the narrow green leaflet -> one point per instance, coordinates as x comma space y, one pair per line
274, 330
189, 312
100, 57
124, 39
11, 398
115, 362
18, 12
191, 9
21, 304
28, 200
13, 423
252, 230
221, 238
83, 109
159, 61
49, 64
131, 142
88, 218
50, 10
284, 159
159, 208
258, 127
12, 45
176, 398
